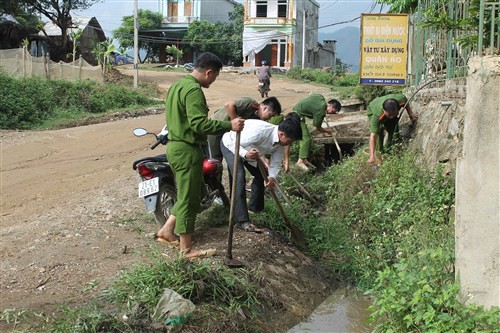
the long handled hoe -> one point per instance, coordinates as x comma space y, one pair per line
229, 261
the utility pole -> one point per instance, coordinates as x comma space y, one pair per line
136, 44
304, 15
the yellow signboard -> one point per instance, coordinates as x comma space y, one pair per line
384, 49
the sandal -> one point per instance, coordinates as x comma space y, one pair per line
201, 253
302, 166
174, 243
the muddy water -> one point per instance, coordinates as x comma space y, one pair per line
342, 312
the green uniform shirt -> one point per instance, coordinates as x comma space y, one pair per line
187, 113
246, 108
375, 110
276, 120
313, 107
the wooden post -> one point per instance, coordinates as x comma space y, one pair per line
24, 61
80, 64
46, 65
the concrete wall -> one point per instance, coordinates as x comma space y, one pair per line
477, 216
459, 128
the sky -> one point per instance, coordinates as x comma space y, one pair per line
110, 12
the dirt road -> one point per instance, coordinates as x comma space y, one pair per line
65, 191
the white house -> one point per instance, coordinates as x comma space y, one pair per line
282, 32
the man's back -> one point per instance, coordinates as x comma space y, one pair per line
264, 73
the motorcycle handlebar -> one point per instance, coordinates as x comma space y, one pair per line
160, 139
155, 144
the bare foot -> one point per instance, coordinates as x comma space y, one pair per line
166, 233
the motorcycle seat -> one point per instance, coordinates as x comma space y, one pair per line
158, 158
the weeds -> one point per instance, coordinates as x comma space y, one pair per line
391, 232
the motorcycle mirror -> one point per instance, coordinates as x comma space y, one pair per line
140, 132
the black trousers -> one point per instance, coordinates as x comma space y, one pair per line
256, 203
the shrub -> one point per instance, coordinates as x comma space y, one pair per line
369, 93
419, 294
294, 73
25, 102
312, 75
29, 103
349, 80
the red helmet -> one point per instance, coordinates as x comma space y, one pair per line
211, 166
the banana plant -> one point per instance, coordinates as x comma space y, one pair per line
75, 37
172, 49
98, 52
108, 48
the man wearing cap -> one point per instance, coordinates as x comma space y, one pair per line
383, 115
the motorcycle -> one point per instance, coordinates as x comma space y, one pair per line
158, 182
264, 87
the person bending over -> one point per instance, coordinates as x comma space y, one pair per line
258, 138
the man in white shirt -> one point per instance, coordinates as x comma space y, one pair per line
258, 138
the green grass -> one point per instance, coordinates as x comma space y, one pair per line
389, 231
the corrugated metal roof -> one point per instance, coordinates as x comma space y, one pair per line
53, 30
8, 18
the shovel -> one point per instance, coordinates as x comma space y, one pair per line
285, 196
298, 237
334, 136
229, 261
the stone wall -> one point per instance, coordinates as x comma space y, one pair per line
438, 134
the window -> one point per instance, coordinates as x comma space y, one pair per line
261, 8
282, 8
188, 8
172, 10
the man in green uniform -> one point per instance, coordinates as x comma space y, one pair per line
314, 107
383, 115
189, 125
246, 108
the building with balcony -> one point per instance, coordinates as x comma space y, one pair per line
178, 14
282, 32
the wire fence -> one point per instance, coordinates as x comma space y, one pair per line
19, 63
442, 40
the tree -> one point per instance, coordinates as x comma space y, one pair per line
172, 49
436, 14
59, 13
148, 20
400, 6
13, 34
223, 39
75, 36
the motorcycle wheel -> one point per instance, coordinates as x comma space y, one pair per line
167, 196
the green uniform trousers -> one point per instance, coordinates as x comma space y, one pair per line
305, 143
186, 161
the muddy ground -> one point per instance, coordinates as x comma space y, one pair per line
67, 196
